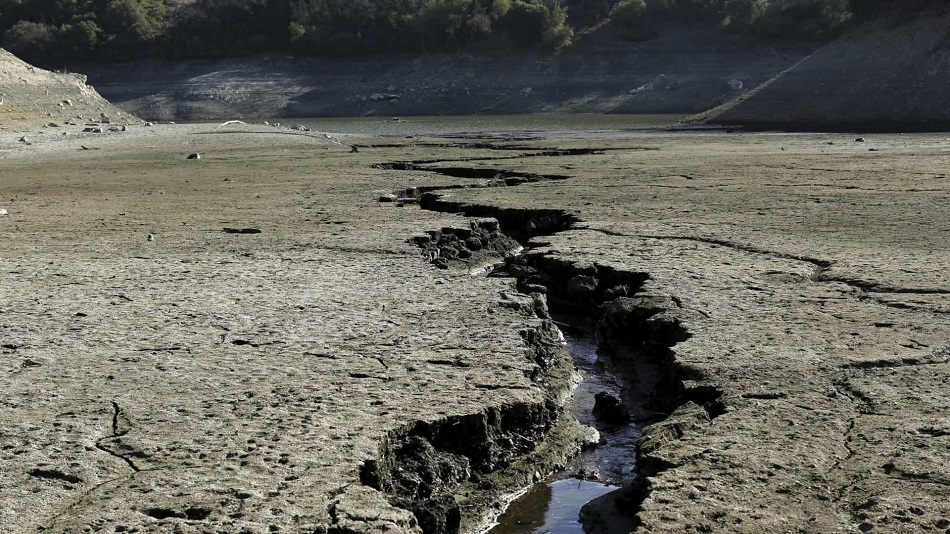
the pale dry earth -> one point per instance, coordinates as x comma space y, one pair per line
811, 275
214, 382
229, 381
32, 97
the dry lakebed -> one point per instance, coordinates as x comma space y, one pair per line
287, 335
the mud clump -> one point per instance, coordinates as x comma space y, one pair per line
420, 468
479, 242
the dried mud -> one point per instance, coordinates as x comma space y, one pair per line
325, 375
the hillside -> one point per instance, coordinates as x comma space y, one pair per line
31, 97
680, 72
892, 73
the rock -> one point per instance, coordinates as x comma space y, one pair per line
3, 212
388, 198
859, 140
581, 287
194, 155
91, 129
610, 409
376, 97
735, 85
526, 92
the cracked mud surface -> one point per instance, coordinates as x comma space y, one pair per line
210, 381
812, 279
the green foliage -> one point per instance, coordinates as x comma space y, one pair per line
557, 32
531, 22
31, 41
295, 31
79, 40
134, 23
60, 31
629, 13
743, 13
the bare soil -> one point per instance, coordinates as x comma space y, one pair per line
796, 286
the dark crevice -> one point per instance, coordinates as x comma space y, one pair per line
114, 446
820, 265
419, 463
506, 176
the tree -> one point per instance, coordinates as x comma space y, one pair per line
80, 40
30, 41
628, 13
743, 12
533, 22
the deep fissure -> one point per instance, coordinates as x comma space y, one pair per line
419, 465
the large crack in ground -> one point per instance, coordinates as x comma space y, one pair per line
418, 467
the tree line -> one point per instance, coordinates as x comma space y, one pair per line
58, 32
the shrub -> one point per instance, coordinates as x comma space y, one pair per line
295, 32
532, 22
629, 13
79, 41
30, 41
743, 12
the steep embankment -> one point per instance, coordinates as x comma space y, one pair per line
683, 71
892, 73
30, 96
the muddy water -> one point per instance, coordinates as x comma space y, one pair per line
554, 505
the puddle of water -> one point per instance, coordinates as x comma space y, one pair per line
612, 461
553, 506
550, 508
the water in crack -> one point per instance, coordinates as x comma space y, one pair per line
554, 505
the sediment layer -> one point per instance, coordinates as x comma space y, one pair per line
796, 287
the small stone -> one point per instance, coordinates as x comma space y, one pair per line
194, 155
610, 409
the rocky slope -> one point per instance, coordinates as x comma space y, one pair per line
31, 97
890, 74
